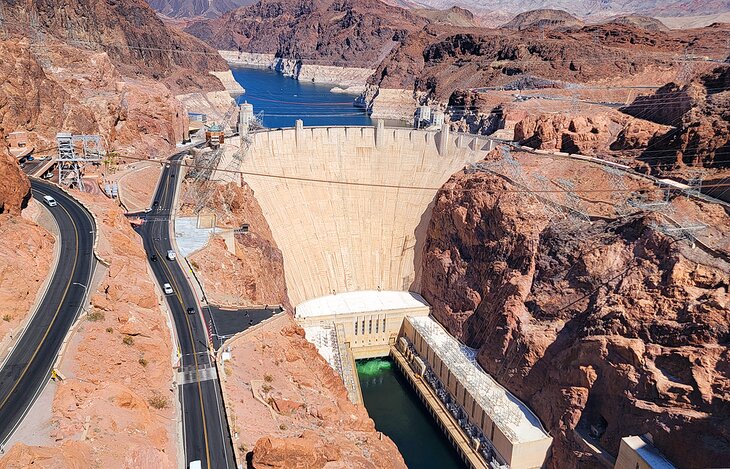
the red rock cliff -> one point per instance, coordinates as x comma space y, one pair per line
610, 324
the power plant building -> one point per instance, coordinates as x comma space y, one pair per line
505, 431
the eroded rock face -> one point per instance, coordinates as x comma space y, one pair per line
701, 115
83, 92
254, 273
586, 133
14, 184
135, 39
609, 324
355, 34
291, 409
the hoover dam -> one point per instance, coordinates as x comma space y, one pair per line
349, 206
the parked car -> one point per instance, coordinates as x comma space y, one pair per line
167, 289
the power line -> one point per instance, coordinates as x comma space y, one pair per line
399, 186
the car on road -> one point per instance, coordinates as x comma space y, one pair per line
155, 203
167, 289
50, 200
171, 255
195, 464
191, 310
153, 257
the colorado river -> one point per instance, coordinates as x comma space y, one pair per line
283, 100
398, 413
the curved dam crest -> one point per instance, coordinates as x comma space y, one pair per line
349, 206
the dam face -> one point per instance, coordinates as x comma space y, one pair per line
349, 206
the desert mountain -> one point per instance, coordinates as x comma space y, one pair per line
354, 33
545, 19
128, 31
454, 16
196, 8
644, 22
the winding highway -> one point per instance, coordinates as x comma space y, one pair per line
28, 367
205, 428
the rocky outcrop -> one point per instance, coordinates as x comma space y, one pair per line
291, 409
611, 324
585, 133
325, 32
701, 114
254, 273
14, 185
543, 19
134, 38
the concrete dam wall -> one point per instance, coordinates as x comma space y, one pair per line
349, 206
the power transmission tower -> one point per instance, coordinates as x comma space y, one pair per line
694, 183
617, 180
681, 230
641, 202
573, 202
70, 162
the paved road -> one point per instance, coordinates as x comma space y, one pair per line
205, 428
228, 322
28, 367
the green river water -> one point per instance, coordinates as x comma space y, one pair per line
398, 413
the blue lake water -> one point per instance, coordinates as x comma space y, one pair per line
283, 100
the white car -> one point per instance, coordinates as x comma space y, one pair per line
171, 255
50, 200
167, 289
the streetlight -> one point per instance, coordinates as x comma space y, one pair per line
85, 293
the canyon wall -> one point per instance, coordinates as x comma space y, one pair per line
254, 273
129, 31
609, 324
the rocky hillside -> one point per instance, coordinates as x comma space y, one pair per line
610, 324
454, 16
544, 19
254, 273
136, 40
14, 185
644, 22
349, 33
700, 112
195, 9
